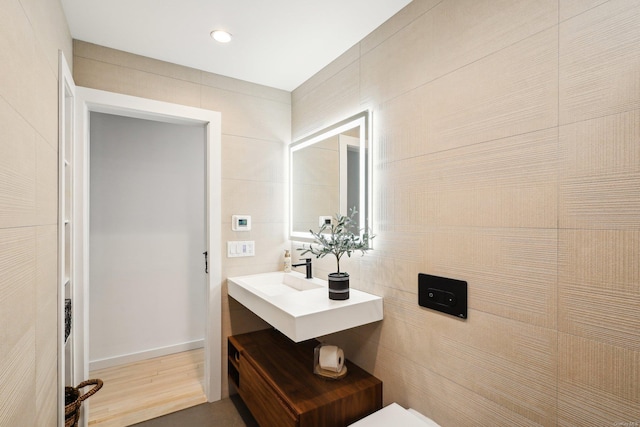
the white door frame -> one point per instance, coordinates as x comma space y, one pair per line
66, 138
88, 100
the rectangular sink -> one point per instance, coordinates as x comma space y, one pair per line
278, 283
300, 308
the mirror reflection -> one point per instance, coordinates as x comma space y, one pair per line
329, 175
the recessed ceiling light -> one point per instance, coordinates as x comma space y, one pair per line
221, 36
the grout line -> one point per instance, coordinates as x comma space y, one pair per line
466, 65
557, 328
468, 145
199, 84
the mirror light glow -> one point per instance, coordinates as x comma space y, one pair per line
359, 123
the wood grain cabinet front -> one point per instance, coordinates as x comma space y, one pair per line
265, 406
274, 377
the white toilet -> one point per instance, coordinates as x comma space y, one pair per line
393, 415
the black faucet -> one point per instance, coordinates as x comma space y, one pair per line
307, 263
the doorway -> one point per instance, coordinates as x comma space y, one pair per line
91, 100
146, 239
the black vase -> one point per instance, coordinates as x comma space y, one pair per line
339, 286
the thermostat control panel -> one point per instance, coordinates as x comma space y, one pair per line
241, 222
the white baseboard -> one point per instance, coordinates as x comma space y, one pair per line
144, 355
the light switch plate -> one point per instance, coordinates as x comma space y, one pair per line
237, 249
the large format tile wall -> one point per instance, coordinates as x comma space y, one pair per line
31, 33
256, 126
507, 154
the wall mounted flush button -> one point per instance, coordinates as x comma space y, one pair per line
443, 294
439, 296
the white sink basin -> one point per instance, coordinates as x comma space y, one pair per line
300, 308
278, 283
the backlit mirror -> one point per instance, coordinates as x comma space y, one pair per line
330, 173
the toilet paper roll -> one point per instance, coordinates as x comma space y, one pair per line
331, 358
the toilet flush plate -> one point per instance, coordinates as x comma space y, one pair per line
443, 294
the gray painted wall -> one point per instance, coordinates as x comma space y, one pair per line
147, 235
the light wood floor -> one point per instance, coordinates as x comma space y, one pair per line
144, 390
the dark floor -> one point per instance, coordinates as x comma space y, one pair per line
230, 412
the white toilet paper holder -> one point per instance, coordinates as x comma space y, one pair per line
325, 373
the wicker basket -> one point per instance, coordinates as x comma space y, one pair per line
73, 400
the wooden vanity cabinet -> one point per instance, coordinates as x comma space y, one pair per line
274, 377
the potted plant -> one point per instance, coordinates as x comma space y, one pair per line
338, 238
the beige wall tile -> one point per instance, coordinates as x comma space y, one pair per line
379, 272
400, 245
253, 159
511, 92
400, 195
600, 78
510, 182
45, 110
17, 383
510, 363
264, 201
116, 78
399, 129
600, 147
31, 33
17, 335
415, 385
17, 169
510, 272
598, 285
411, 12
17, 283
247, 88
27, 82
17, 55
104, 54
597, 384
249, 116
343, 89
449, 36
600, 172
49, 19
570, 8
345, 60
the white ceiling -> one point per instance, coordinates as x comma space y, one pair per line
277, 43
